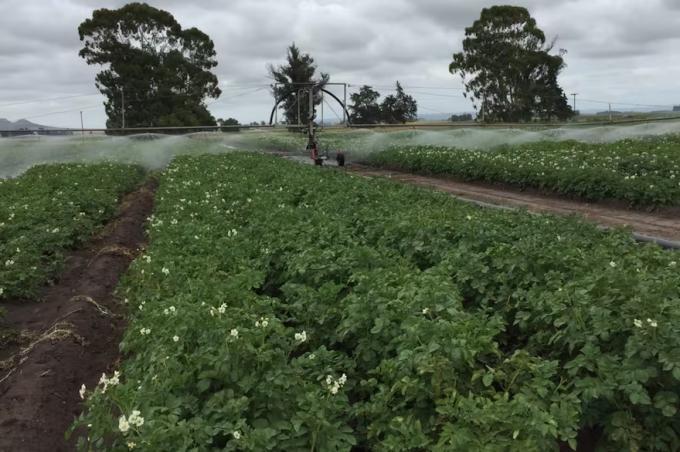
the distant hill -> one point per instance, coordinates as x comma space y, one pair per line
22, 124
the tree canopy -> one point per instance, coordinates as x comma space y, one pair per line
162, 70
399, 108
297, 73
507, 68
231, 124
365, 108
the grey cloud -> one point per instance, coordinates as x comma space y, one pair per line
610, 43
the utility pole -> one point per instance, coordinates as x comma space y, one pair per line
610, 112
82, 128
311, 111
344, 105
122, 104
482, 110
299, 96
574, 94
322, 110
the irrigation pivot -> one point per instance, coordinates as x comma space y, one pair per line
311, 89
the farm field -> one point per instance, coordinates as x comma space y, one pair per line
661, 226
283, 307
51, 209
155, 151
642, 173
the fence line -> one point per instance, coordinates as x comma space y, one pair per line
438, 125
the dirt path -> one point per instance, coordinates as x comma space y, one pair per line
71, 334
661, 225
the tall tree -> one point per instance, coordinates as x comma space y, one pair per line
297, 74
365, 108
507, 67
399, 107
161, 72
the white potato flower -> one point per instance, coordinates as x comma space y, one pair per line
136, 419
123, 424
335, 385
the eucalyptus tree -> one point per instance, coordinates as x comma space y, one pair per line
508, 68
155, 72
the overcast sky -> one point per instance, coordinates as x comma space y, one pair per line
625, 51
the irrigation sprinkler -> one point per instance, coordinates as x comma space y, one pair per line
312, 89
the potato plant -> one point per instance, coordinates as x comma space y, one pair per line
643, 173
50, 209
284, 307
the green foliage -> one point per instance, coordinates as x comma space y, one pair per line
49, 210
399, 108
456, 328
229, 122
507, 68
461, 117
163, 70
365, 108
297, 74
643, 173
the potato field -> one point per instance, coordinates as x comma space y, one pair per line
284, 307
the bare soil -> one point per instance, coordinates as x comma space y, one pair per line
664, 223
69, 336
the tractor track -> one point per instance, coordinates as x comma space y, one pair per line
662, 227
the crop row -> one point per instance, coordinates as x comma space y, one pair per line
643, 173
50, 209
282, 307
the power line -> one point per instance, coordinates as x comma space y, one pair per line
391, 87
220, 99
433, 110
45, 99
439, 95
624, 103
63, 111
261, 85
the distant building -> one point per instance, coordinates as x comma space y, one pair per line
676, 108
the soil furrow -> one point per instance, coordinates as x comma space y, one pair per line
70, 334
